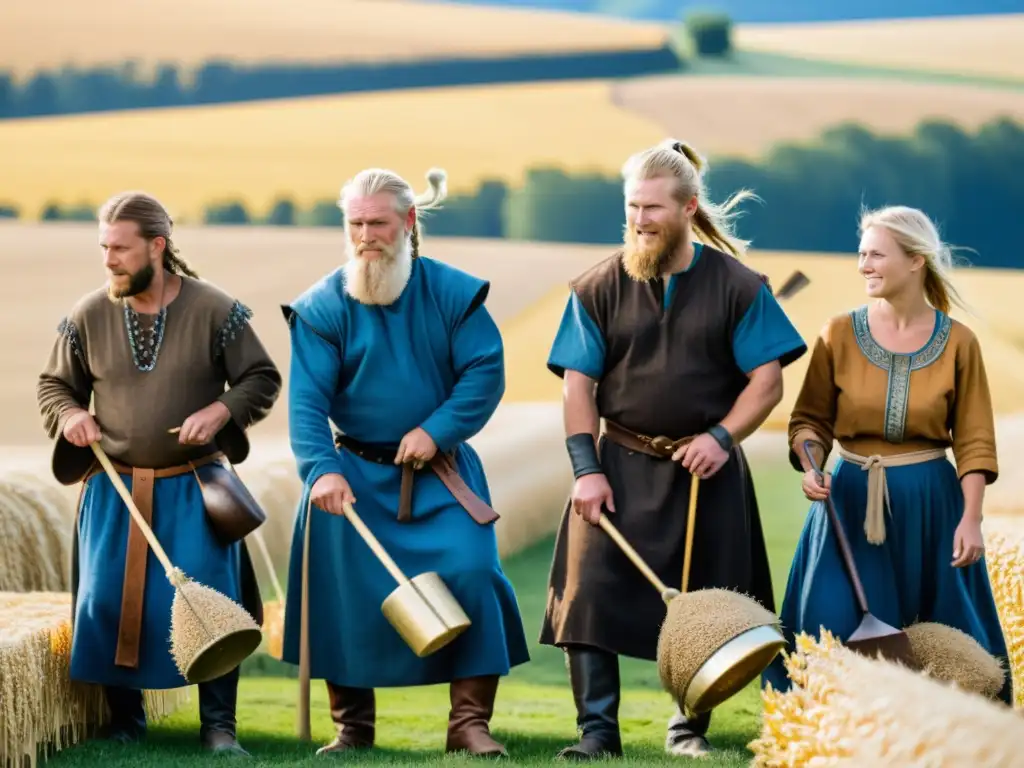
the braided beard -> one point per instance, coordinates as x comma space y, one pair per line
382, 280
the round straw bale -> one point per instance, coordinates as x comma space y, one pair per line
696, 625
951, 656
36, 525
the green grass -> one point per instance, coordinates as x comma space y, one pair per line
534, 714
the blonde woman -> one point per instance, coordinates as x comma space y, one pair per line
896, 383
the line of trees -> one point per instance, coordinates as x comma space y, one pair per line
811, 195
74, 90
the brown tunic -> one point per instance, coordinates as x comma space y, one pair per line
873, 402
667, 368
208, 342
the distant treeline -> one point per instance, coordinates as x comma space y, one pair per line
71, 90
812, 193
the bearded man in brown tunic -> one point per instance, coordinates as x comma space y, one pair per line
153, 350
673, 338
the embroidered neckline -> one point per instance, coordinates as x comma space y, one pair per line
886, 360
899, 366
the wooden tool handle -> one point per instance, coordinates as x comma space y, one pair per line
261, 544
632, 554
126, 497
374, 545
691, 520
840, 532
303, 724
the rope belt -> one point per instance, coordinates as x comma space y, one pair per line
878, 491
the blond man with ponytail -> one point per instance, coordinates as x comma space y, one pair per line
399, 352
896, 383
673, 336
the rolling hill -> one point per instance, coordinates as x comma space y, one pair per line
189, 32
745, 115
305, 148
980, 45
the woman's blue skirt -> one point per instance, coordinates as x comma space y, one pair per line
907, 579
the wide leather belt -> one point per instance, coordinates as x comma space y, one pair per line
129, 630
660, 446
443, 466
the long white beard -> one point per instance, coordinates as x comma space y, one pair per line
382, 280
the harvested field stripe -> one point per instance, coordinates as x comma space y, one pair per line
963, 45
191, 32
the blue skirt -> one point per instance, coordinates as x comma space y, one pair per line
351, 643
180, 525
906, 579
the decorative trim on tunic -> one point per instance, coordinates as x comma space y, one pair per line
238, 317
69, 331
899, 367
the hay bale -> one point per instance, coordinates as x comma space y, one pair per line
36, 525
1005, 562
696, 625
41, 709
846, 709
951, 656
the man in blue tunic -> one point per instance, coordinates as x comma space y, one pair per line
155, 349
399, 352
672, 339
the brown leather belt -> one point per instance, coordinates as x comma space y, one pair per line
443, 466
660, 446
129, 630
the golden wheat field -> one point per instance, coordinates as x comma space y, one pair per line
190, 32
746, 115
305, 148
964, 45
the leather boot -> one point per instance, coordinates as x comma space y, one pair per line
354, 712
594, 676
127, 714
470, 716
218, 701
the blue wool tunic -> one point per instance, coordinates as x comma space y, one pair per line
432, 359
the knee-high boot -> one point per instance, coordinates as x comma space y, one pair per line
594, 676
469, 720
354, 712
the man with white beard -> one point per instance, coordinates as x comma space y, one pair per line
399, 352
672, 339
